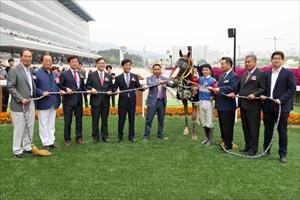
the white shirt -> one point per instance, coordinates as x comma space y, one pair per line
274, 77
249, 73
252, 71
29, 77
226, 73
78, 77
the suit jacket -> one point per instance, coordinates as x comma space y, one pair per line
47, 82
121, 84
227, 85
19, 88
67, 81
93, 81
254, 85
285, 88
153, 91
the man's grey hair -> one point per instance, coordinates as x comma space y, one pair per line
252, 56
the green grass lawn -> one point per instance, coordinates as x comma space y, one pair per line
176, 169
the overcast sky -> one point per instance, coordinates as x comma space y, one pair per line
159, 25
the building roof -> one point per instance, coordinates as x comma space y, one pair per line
76, 9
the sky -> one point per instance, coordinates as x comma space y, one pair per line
159, 25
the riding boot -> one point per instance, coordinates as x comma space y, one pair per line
206, 135
209, 136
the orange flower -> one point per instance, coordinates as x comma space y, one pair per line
5, 117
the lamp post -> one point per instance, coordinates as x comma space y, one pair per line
190, 50
232, 34
170, 56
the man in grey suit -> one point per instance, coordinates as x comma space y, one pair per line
156, 102
21, 86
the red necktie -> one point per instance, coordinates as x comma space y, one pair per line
75, 76
101, 78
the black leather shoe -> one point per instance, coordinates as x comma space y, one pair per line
95, 140
21, 155
105, 140
250, 153
132, 140
244, 150
27, 152
282, 159
119, 140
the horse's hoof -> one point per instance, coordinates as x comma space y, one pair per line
194, 137
186, 131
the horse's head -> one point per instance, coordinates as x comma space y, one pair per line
184, 69
184, 62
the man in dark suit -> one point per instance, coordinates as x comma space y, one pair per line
101, 81
127, 100
281, 86
71, 80
252, 85
226, 106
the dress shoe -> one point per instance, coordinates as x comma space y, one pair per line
95, 140
105, 140
21, 155
132, 140
27, 152
282, 159
146, 139
46, 147
244, 150
119, 140
54, 145
67, 143
79, 141
250, 153
163, 138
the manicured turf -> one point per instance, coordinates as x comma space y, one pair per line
176, 169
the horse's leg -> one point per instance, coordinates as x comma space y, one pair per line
194, 116
186, 115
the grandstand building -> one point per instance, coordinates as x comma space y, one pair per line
59, 27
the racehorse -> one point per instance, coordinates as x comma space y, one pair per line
186, 88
